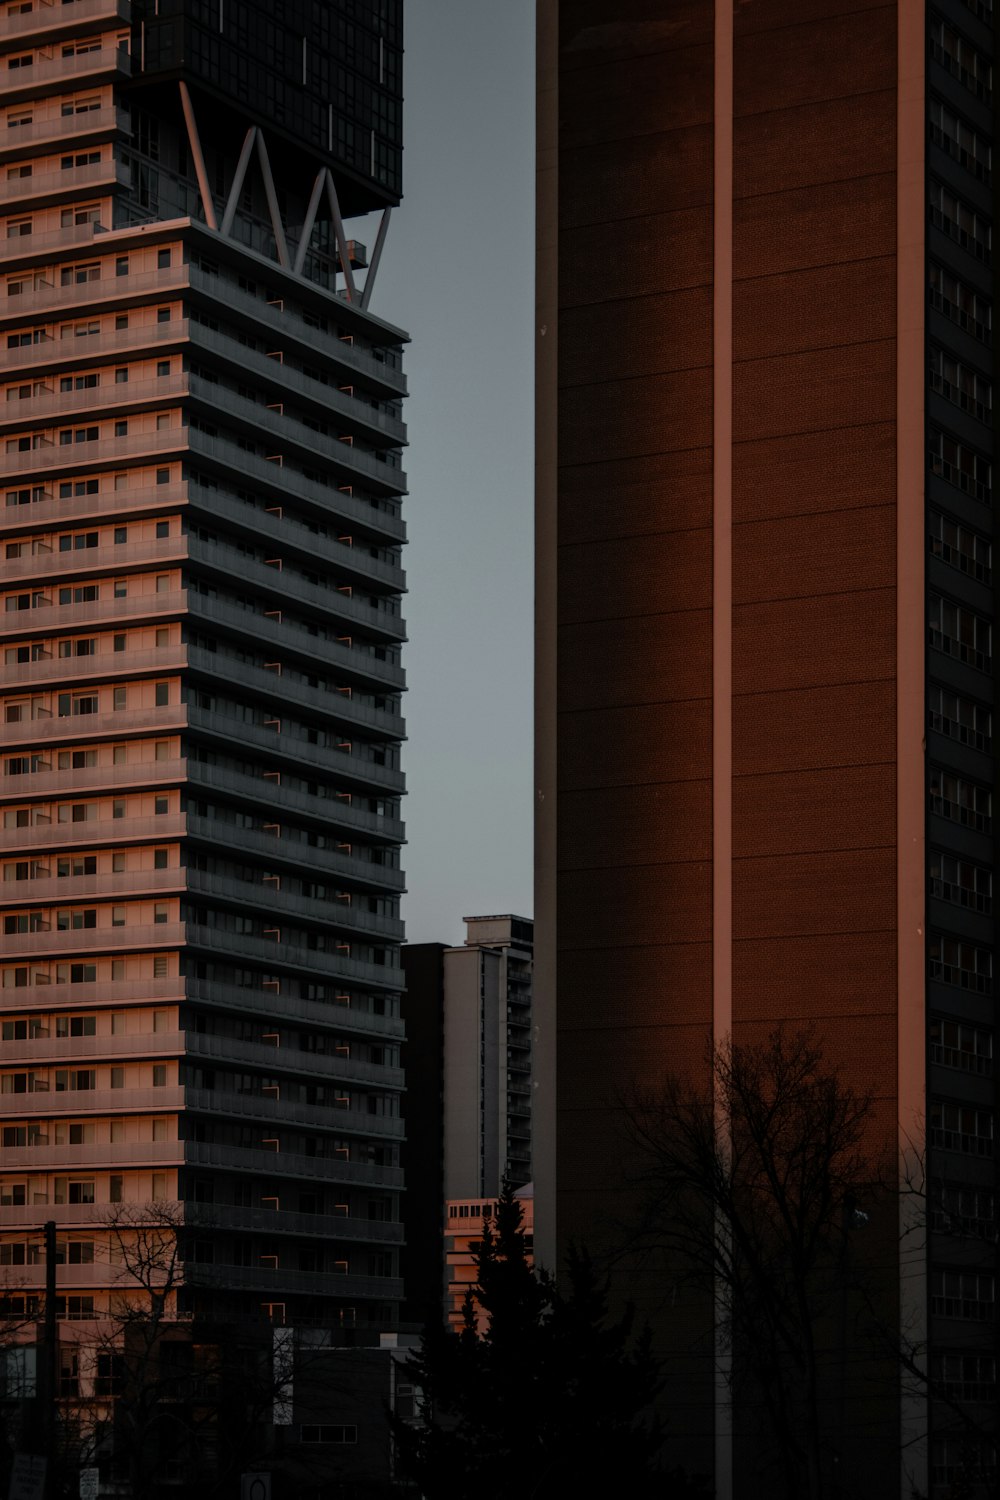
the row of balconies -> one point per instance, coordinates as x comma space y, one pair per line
283, 1222
104, 1102
284, 533
95, 833
329, 402
226, 890
380, 517
46, 407
265, 788
349, 769
45, 1051
103, 1276
278, 1164
271, 318
285, 1008
281, 638
247, 1278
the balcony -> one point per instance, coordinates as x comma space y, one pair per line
107, 399
56, 129
277, 1113
62, 459
47, 21
84, 562
335, 811
286, 638
49, 1051
277, 479
42, 188
286, 382
83, 942
294, 854
43, 732
100, 1101
121, 994
106, 1157
60, 619
285, 1008
111, 886
57, 513
287, 590
271, 1283
293, 1061
280, 749
88, 780
50, 75
107, 346
289, 329
283, 693
267, 1221
282, 956
292, 906
105, 291
93, 671
95, 833
287, 432
279, 1164
286, 534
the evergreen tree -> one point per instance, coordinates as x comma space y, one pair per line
539, 1389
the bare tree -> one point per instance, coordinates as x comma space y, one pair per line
754, 1185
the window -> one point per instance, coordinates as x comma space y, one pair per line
121, 265
330, 1433
954, 1044
961, 882
961, 59
161, 912
120, 588
163, 476
959, 220
162, 259
163, 314
961, 801
159, 1075
960, 383
960, 547
960, 632
964, 1377
162, 694
962, 141
960, 718
18, 227
961, 963
960, 1127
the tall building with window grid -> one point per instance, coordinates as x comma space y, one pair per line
766, 680
201, 679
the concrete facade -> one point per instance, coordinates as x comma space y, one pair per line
201, 679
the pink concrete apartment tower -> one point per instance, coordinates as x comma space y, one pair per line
200, 677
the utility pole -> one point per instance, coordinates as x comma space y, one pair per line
49, 1382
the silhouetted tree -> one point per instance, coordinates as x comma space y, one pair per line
756, 1181
552, 1394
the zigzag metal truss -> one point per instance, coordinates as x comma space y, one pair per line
324, 182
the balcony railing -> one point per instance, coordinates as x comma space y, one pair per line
43, 19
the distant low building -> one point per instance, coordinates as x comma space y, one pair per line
468, 1015
463, 1233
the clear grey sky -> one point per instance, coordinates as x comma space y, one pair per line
457, 273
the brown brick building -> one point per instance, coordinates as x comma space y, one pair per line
765, 677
